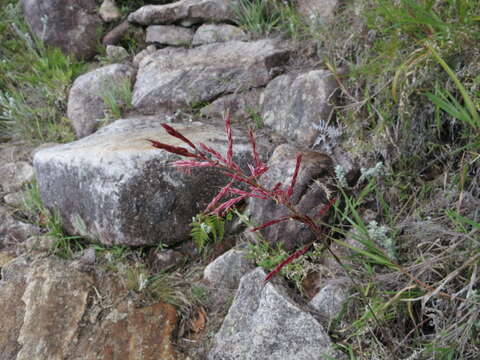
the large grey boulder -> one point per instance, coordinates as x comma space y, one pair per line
115, 187
169, 35
309, 196
72, 25
263, 323
86, 104
212, 33
191, 11
299, 106
176, 77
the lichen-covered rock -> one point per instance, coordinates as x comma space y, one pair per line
263, 323
212, 33
227, 270
193, 11
72, 25
85, 101
299, 106
15, 199
13, 175
169, 35
115, 187
175, 77
309, 196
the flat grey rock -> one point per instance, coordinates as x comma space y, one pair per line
187, 11
212, 33
176, 77
169, 35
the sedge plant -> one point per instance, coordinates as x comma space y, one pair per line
202, 155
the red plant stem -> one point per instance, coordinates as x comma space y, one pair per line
287, 261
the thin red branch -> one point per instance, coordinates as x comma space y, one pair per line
287, 261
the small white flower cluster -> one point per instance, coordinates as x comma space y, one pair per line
327, 137
340, 175
371, 172
379, 234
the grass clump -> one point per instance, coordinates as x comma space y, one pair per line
64, 246
34, 83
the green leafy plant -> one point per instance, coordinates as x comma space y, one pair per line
208, 229
118, 99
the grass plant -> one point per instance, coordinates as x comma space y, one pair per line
34, 83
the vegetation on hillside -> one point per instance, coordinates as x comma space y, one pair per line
407, 232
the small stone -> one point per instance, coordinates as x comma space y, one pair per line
109, 11
330, 299
40, 243
169, 35
15, 174
211, 33
318, 11
116, 53
227, 270
16, 199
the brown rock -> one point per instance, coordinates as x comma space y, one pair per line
309, 195
116, 34
55, 301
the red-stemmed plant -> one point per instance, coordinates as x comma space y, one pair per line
203, 156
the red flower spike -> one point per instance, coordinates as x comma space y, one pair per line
228, 130
287, 261
191, 163
326, 208
176, 134
270, 223
248, 194
256, 158
172, 149
222, 209
219, 196
211, 151
294, 177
